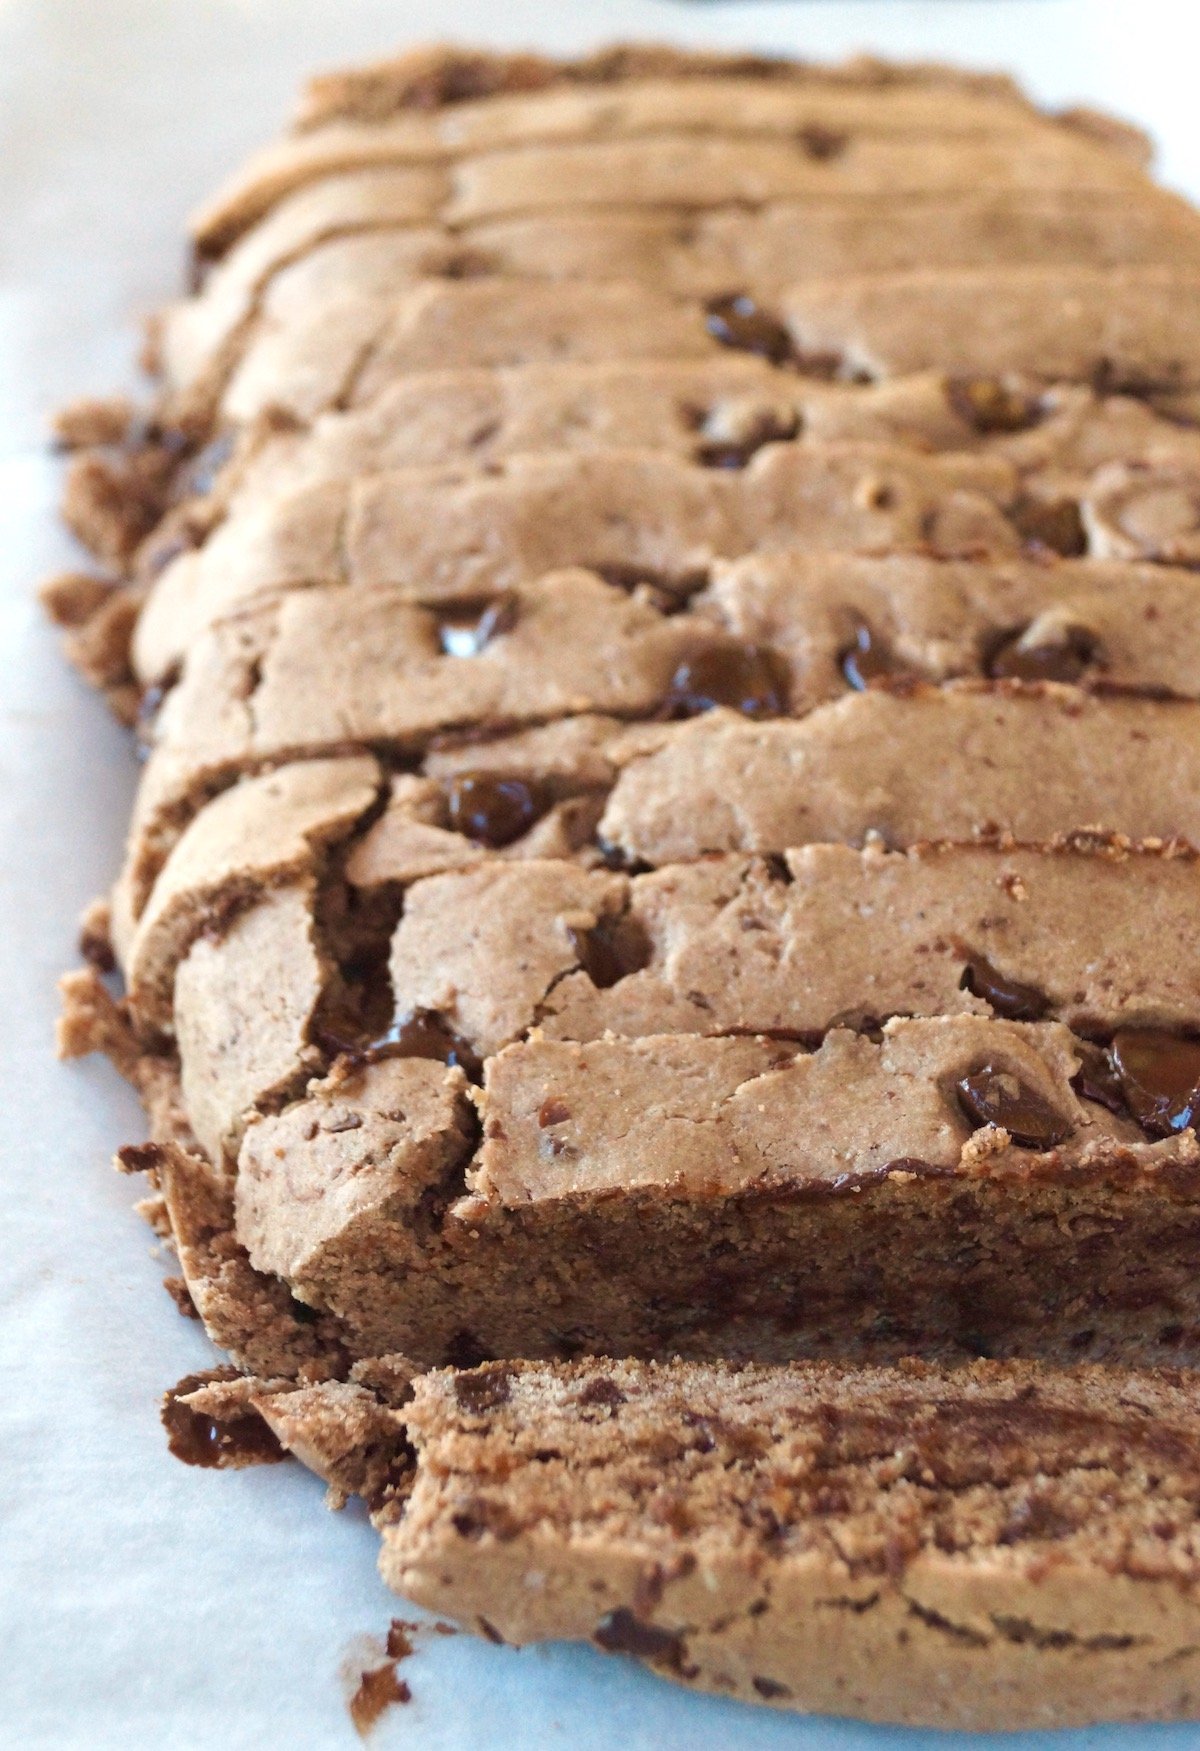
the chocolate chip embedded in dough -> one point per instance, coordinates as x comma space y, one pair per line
993, 1095
425, 1034
1009, 998
737, 321
1052, 524
865, 660
1097, 1080
1063, 659
611, 950
493, 811
822, 143
620, 1632
197, 1439
483, 1391
746, 677
1159, 1073
992, 406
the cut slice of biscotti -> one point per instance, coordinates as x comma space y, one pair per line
994, 1546
1000, 1546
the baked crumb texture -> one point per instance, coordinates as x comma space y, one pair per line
658, 596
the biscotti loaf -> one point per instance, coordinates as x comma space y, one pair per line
656, 594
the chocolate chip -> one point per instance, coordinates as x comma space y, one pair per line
769, 1690
1008, 997
822, 143
602, 1390
620, 1632
674, 587
465, 630
553, 1112
484, 1391
992, 1095
611, 950
1096, 1080
988, 405
1065, 659
737, 321
242, 1438
491, 810
747, 677
424, 1034
1053, 524
768, 428
1159, 1074
865, 660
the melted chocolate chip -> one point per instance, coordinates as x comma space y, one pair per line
993, 1095
1008, 997
1159, 1073
865, 660
424, 1034
486, 1391
492, 810
990, 406
1096, 1080
620, 1632
1054, 524
553, 1112
1065, 660
737, 321
465, 630
746, 677
242, 1439
611, 950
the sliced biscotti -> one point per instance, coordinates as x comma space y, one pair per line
1002, 1546
814, 142
437, 535
369, 232
831, 937
900, 766
923, 765
681, 1194
1128, 328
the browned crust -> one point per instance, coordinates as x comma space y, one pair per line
444, 73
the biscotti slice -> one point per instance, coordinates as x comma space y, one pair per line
741, 1196
440, 535
369, 231
1133, 328
1001, 1546
828, 936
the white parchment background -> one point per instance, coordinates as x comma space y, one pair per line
143, 1604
